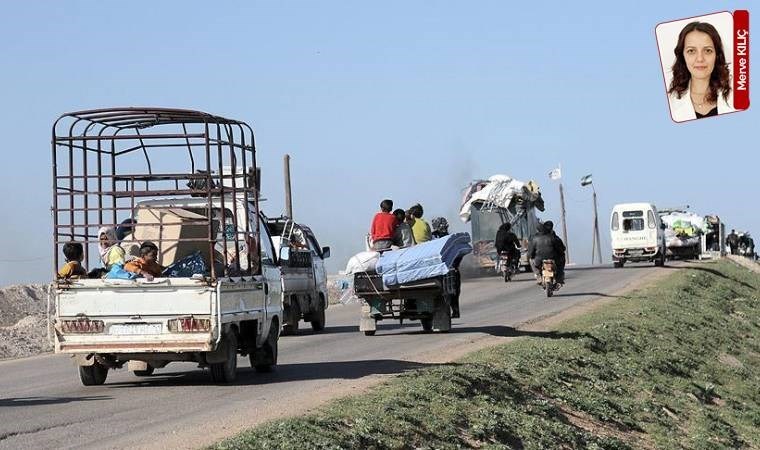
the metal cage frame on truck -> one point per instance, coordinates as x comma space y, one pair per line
90, 147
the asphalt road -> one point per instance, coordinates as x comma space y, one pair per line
43, 405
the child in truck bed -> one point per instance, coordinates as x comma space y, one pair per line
147, 264
74, 253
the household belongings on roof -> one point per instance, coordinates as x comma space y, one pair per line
501, 191
422, 261
684, 229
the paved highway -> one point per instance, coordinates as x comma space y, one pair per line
43, 405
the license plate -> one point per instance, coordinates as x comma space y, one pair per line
121, 329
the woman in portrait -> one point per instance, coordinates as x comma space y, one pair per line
701, 85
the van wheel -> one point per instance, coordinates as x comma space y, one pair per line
145, 373
225, 372
93, 375
265, 358
293, 316
318, 321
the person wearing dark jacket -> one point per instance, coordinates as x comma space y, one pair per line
547, 245
507, 241
732, 241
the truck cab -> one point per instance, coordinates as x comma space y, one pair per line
304, 279
637, 234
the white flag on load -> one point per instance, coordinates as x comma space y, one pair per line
555, 174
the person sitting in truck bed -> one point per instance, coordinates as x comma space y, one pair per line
74, 253
403, 236
110, 251
421, 228
383, 226
147, 264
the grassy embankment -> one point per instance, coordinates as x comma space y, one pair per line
676, 365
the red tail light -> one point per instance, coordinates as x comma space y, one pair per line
189, 325
82, 326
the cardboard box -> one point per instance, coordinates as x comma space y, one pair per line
167, 227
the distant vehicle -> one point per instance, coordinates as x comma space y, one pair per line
180, 175
304, 281
637, 234
487, 204
684, 231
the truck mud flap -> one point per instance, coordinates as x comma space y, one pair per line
442, 315
366, 321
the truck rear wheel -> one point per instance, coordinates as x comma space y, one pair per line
93, 375
660, 261
318, 318
265, 358
225, 372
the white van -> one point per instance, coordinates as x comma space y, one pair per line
637, 234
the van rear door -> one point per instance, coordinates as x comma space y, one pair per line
634, 228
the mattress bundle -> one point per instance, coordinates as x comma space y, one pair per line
427, 260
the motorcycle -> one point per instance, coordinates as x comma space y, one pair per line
507, 266
548, 281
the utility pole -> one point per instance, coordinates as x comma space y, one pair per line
288, 197
564, 221
596, 248
556, 174
596, 231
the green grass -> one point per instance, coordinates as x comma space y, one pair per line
673, 366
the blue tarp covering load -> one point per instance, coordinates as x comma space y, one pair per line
426, 260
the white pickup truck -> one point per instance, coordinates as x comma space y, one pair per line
304, 280
221, 295
107, 322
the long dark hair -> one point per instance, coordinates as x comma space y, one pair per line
720, 79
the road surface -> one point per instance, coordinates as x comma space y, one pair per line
43, 404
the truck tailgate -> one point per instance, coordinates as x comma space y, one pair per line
168, 296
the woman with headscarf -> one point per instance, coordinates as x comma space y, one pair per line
108, 245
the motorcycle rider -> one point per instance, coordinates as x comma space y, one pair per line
507, 241
547, 245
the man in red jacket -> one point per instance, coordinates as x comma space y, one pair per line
383, 226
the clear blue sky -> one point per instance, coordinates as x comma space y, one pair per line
387, 99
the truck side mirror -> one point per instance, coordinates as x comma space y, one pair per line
325, 252
284, 254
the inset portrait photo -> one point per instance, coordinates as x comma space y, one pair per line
705, 64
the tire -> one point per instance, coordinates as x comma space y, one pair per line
370, 332
145, 373
660, 261
549, 291
427, 325
293, 316
318, 322
618, 264
93, 375
265, 363
225, 372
